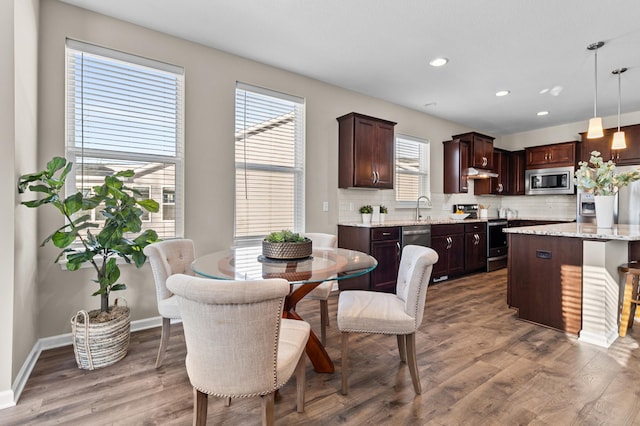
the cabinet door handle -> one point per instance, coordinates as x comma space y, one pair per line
546, 156
500, 188
484, 161
399, 249
449, 242
386, 234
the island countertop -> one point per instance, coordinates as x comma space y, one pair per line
581, 230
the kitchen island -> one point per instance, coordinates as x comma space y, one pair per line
565, 276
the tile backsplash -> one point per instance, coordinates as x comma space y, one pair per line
561, 207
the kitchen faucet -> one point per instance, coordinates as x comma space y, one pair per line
429, 205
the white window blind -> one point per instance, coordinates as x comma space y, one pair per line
126, 112
412, 168
269, 159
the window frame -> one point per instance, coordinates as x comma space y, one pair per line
297, 171
425, 176
73, 151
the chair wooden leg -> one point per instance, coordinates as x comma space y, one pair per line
626, 305
324, 321
200, 402
345, 361
164, 340
268, 409
402, 347
301, 382
412, 361
227, 402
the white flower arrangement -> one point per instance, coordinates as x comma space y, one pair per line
601, 179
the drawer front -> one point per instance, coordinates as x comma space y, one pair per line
447, 229
475, 227
387, 233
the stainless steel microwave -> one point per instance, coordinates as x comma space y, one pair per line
558, 180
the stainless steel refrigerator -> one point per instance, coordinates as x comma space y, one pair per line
629, 200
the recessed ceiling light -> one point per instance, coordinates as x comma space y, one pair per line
438, 62
543, 91
503, 92
543, 113
430, 104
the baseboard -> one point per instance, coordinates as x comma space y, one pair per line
9, 398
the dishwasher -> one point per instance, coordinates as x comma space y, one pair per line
417, 235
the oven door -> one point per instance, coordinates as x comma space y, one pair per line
497, 246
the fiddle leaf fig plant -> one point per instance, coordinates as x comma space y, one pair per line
122, 212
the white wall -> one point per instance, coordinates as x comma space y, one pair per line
18, 131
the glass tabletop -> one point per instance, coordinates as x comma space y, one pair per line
247, 263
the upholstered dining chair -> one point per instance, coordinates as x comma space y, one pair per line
238, 344
167, 258
323, 291
386, 313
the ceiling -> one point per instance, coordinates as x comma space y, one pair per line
382, 48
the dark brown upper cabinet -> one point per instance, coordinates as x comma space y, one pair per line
548, 156
481, 149
456, 161
366, 152
628, 156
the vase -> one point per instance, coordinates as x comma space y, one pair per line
604, 210
382, 217
366, 218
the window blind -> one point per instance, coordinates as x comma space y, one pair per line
269, 162
126, 112
412, 168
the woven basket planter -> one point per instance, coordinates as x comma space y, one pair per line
286, 251
98, 344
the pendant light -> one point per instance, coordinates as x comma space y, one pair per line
595, 124
619, 141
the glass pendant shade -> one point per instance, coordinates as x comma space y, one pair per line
595, 128
619, 141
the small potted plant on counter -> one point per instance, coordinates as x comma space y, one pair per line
383, 213
366, 212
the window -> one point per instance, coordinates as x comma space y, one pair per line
269, 158
412, 169
126, 112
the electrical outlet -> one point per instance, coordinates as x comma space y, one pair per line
325, 206
350, 207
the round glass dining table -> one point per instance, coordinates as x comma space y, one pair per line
324, 264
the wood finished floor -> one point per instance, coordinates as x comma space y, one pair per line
478, 366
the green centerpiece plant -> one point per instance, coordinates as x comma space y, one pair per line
286, 245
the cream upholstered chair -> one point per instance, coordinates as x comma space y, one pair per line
167, 258
384, 313
238, 344
323, 291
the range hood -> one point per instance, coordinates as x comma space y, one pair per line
473, 173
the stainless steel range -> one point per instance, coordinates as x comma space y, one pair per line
497, 246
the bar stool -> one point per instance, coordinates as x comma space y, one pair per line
631, 297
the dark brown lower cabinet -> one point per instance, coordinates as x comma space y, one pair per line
448, 241
383, 243
475, 247
545, 280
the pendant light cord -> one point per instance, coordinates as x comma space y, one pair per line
595, 91
619, 95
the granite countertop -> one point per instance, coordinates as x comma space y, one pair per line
443, 220
581, 230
